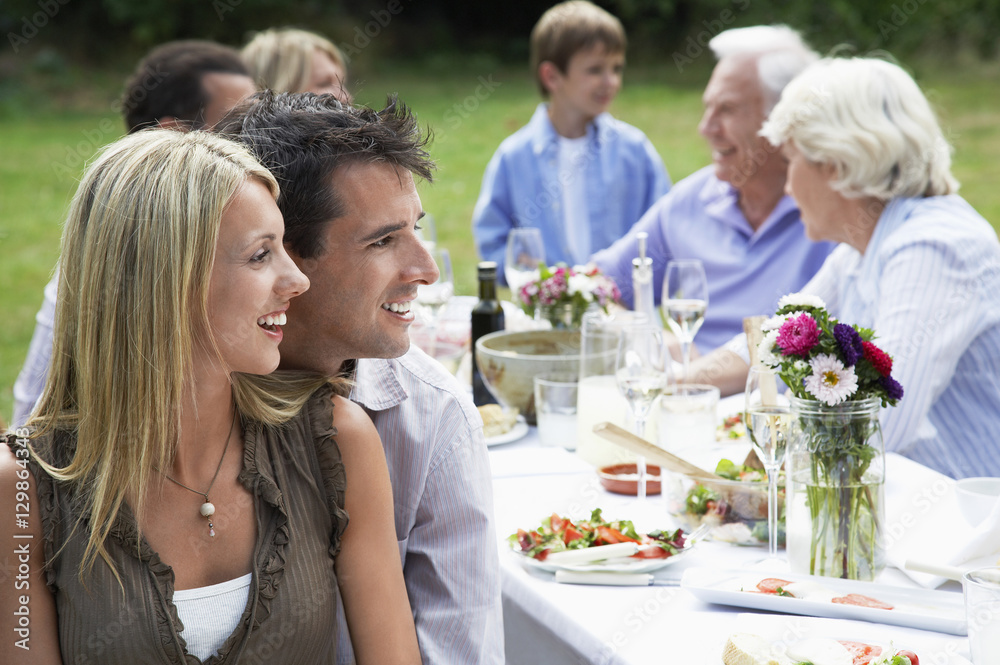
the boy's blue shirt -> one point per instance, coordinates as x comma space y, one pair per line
624, 177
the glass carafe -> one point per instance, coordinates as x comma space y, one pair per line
598, 397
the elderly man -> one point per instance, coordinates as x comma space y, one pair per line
733, 215
180, 85
352, 215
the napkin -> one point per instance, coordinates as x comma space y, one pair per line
924, 523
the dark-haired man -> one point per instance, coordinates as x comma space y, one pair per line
351, 216
187, 84
182, 85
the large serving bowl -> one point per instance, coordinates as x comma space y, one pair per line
735, 509
509, 361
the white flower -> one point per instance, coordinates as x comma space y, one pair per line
765, 350
800, 365
583, 285
775, 322
830, 381
801, 300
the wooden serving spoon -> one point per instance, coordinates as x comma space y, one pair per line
653, 453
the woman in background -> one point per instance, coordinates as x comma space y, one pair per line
176, 499
291, 60
870, 168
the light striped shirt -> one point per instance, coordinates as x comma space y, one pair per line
928, 284
443, 495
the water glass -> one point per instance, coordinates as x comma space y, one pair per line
687, 416
982, 612
555, 409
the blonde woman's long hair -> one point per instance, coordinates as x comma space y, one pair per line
280, 59
137, 254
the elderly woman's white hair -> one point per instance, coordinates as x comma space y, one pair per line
869, 119
782, 55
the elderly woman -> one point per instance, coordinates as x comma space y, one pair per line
172, 496
869, 168
291, 60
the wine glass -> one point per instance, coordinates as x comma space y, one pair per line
427, 231
525, 253
641, 375
684, 301
768, 420
433, 297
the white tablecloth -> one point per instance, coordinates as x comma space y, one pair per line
552, 623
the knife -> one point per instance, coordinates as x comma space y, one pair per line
612, 579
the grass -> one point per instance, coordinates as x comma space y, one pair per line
470, 108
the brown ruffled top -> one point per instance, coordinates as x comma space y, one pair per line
296, 477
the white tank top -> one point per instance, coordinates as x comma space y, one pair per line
210, 613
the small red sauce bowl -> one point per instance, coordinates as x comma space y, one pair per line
622, 479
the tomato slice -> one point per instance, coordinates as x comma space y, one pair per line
861, 601
909, 654
557, 523
607, 536
861, 653
571, 534
771, 584
651, 553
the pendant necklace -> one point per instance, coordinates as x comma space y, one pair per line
208, 508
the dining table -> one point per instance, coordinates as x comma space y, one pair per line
550, 622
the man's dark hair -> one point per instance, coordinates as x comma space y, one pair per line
303, 138
167, 82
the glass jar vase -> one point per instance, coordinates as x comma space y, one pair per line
836, 478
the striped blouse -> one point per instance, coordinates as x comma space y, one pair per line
928, 284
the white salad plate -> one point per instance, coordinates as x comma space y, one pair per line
938, 611
517, 432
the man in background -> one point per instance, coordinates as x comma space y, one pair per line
733, 215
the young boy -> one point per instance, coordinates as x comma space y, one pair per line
574, 172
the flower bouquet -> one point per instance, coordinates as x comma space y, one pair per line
838, 379
561, 295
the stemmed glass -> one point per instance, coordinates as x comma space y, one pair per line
435, 296
641, 375
769, 420
525, 252
427, 231
684, 301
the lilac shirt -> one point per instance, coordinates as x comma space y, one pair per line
521, 187
443, 497
747, 270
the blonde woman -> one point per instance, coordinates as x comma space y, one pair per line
177, 506
291, 60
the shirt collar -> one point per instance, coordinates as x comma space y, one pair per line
544, 135
721, 203
376, 384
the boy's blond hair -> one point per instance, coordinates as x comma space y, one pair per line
570, 27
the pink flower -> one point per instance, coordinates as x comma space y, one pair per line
797, 336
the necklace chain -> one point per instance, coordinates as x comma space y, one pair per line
207, 509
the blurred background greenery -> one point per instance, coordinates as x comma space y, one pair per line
462, 66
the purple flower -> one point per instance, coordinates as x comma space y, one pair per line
849, 342
893, 390
798, 335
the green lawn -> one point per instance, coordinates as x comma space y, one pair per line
470, 110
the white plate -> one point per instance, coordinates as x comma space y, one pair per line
939, 611
781, 631
518, 431
618, 565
